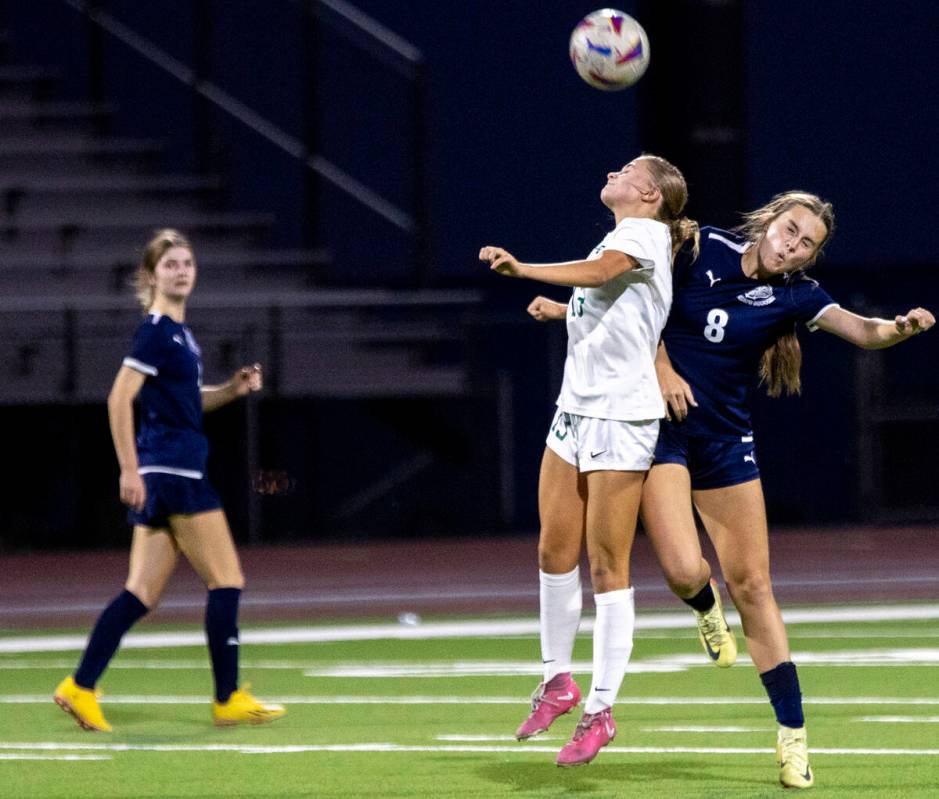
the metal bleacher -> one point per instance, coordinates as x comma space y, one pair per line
76, 205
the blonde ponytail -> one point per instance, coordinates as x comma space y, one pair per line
781, 364
674, 190
683, 229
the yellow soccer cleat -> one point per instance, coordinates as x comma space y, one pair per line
82, 703
242, 708
792, 756
716, 637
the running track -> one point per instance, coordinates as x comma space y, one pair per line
378, 581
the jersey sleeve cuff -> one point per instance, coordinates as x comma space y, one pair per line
643, 264
140, 366
812, 324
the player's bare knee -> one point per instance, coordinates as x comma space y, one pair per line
226, 581
685, 577
683, 584
607, 576
557, 558
148, 597
751, 589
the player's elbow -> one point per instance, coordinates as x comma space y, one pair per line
873, 337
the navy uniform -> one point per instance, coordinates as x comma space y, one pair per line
172, 449
720, 324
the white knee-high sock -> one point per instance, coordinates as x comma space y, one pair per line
612, 646
561, 602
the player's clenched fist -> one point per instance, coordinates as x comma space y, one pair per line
545, 310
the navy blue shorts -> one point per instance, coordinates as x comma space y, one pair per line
171, 495
711, 462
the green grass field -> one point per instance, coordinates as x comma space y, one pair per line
434, 718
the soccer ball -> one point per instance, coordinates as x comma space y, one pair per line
609, 50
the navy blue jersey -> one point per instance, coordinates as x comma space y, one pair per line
170, 439
720, 324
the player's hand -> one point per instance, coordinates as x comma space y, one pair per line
501, 261
919, 320
675, 391
247, 379
133, 491
545, 310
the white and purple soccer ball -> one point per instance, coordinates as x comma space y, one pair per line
609, 49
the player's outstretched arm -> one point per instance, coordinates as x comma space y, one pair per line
244, 381
126, 387
586, 274
675, 389
872, 333
545, 310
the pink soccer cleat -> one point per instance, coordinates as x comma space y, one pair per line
551, 699
593, 732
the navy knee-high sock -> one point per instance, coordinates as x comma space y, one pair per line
115, 620
782, 686
703, 601
221, 629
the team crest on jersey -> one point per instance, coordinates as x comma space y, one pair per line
761, 295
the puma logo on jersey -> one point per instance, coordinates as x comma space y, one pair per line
713, 279
749, 459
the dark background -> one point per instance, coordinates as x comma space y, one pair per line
749, 99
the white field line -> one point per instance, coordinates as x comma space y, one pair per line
147, 665
902, 657
543, 738
28, 756
688, 635
150, 665
798, 634
901, 719
707, 728
895, 656
859, 635
124, 699
455, 629
517, 748
660, 664
488, 738
480, 669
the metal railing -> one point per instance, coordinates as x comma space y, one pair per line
360, 30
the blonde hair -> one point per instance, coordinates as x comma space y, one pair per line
674, 190
756, 223
782, 360
155, 249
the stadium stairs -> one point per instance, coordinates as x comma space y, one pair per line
76, 205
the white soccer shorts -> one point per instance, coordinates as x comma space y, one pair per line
592, 445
